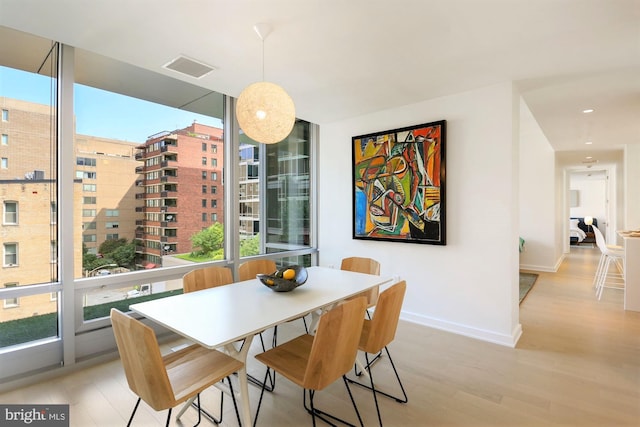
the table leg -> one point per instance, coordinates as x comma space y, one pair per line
315, 317
185, 407
241, 355
245, 408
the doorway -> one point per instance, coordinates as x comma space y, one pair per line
592, 194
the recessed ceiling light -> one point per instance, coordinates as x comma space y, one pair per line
588, 110
589, 157
589, 142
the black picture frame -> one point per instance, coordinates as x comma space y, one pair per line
399, 184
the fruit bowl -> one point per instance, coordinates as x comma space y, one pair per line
284, 279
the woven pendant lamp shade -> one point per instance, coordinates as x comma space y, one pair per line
265, 112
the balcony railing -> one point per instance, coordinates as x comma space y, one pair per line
169, 179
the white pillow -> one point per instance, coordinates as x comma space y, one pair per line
573, 223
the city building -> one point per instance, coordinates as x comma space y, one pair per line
249, 194
107, 168
28, 196
180, 192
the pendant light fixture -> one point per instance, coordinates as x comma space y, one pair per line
265, 111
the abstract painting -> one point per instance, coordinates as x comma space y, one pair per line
399, 184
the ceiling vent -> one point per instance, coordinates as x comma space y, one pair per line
188, 66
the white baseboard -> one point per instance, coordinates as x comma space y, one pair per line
465, 330
547, 269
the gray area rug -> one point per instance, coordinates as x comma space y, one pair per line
527, 280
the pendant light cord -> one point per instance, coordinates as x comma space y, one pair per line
263, 59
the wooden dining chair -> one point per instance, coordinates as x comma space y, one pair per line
315, 361
248, 269
367, 266
377, 333
164, 382
206, 277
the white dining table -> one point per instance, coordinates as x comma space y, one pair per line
221, 316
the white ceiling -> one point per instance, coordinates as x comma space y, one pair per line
343, 58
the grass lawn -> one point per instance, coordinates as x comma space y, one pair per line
46, 325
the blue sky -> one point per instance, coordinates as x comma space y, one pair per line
101, 113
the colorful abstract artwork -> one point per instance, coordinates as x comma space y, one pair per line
399, 185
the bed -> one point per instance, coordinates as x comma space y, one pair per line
579, 231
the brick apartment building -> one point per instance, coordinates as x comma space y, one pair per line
157, 194
29, 207
104, 200
181, 192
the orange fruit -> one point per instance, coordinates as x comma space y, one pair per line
289, 274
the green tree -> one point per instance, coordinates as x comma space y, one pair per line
88, 261
250, 246
111, 245
124, 255
208, 240
97, 263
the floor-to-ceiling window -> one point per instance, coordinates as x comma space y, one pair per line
29, 289
274, 196
144, 195
152, 190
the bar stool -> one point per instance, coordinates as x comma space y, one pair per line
609, 254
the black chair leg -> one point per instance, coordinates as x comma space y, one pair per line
313, 409
274, 340
322, 414
353, 402
169, 417
235, 404
199, 412
255, 418
135, 408
368, 365
403, 399
207, 413
395, 371
373, 389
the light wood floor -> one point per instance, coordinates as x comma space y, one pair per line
577, 364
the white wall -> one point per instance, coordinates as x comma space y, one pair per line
537, 203
631, 183
592, 187
469, 286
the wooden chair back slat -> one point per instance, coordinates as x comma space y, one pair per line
335, 344
367, 266
382, 328
142, 361
248, 269
207, 277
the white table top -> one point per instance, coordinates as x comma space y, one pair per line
225, 314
